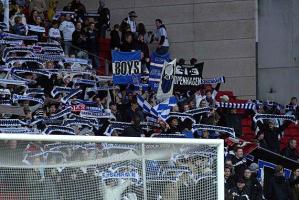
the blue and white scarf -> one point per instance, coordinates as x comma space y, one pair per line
33, 71
216, 80
230, 131
34, 91
198, 111
64, 112
13, 82
29, 131
10, 36
12, 123
16, 98
246, 106
62, 129
272, 116
11, 42
66, 98
37, 29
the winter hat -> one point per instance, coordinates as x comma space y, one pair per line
254, 167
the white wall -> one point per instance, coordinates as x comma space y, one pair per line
278, 49
219, 32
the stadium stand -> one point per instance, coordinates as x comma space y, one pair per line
61, 74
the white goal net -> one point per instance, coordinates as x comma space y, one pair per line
108, 168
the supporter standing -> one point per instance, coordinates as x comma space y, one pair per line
39, 5
142, 46
78, 8
161, 36
291, 150
127, 45
115, 38
54, 32
272, 133
279, 187
239, 192
254, 188
229, 181
92, 44
294, 181
130, 22
67, 28
239, 162
19, 28
135, 129
103, 20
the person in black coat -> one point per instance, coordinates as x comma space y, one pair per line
79, 38
229, 181
254, 188
279, 187
239, 192
291, 150
128, 44
115, 38
271, 134
230, 118
260, 140
239, 162
294, 181
135, 129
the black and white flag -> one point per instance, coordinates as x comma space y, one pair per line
165, 89
188, 77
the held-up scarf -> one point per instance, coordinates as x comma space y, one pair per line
62, 129
11, 42
16, 98
16, 70
272, 116
11, 123
230, 131
246, 106
19, 131
10, 36
216, 80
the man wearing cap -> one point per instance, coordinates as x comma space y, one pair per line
239, 192
129, 22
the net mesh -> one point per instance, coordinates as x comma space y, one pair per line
62, 170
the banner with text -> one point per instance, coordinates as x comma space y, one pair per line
188, 77
126, 67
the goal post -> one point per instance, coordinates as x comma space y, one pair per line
94, 167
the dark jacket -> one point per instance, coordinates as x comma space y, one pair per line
115, 39
271, 135
78, 39
128, 47
237, 194
133, 131
279, 189
254, 189
240, 164
91, 41
231, 120
19, 29
290, 153
142, 46
294, 181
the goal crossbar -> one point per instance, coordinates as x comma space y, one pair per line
218, 143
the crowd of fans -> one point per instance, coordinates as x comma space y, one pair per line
79, 34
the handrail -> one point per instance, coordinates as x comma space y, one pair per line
87, 52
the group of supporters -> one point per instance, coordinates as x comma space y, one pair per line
49, 86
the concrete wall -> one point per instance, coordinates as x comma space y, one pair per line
219, 32
278, 55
